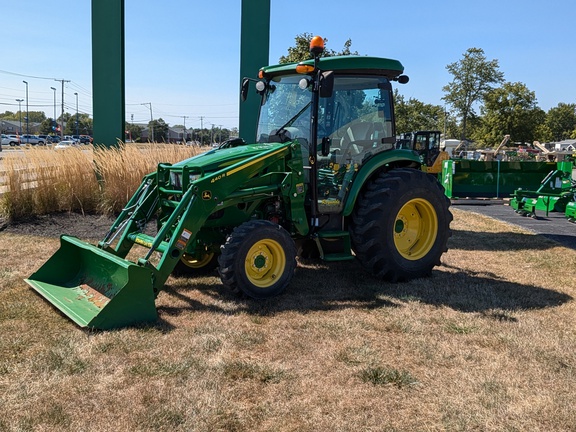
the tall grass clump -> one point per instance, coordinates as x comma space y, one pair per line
44, 181
80, 179
122, 168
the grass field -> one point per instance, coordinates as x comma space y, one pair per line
487, 343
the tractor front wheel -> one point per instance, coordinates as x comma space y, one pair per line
191, 266
258, 259
401, 225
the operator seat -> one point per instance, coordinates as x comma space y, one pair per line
355, 132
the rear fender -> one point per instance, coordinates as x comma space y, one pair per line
383, 161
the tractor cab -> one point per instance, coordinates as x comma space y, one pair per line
340, 112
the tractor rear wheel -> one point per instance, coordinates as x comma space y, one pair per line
401, 225
258, 259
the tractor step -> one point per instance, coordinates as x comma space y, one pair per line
334, 245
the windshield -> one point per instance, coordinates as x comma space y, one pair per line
285, 113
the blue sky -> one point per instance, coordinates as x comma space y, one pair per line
183, 55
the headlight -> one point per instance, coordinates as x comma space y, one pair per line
176, 179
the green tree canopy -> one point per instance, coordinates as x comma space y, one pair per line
473, 77
562, 121
33, 116
160, 128
414, 115
301, 49
509, 110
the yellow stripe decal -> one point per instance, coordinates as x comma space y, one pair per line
254, 162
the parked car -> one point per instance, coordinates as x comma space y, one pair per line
31, 139
71, 138
12, 140
65, 144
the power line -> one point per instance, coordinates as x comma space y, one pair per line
26, 76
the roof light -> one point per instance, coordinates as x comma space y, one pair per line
304, 68
317, 45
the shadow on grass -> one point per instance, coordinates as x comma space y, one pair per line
347, 286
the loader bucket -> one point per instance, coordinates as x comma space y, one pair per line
95, 288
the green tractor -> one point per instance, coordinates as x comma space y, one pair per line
324, 178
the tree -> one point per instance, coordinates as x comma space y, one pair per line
160, 128
301, 50
134, 132
33, 116
473, 78
414, 115
562, 121
511, 109
85, 124
46, 127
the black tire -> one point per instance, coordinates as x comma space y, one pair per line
190, 266
401, 225
258, 259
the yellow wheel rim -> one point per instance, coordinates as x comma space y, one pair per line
265, 263
415, 229
195, 263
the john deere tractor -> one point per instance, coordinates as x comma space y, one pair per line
324, 178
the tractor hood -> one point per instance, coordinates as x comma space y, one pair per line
218, 159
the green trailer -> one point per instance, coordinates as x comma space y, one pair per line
464, 178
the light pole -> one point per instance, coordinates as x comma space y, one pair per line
27, 115
151, 119
55, 122
77, 134
20, 111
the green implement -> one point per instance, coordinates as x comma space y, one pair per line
95, 288
555, 192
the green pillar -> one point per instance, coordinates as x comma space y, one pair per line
108, 72
254, 53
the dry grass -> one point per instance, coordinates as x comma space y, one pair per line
44, 181
486, 344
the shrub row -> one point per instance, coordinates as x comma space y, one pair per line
86, 180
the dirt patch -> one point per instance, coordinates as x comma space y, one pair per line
54, 225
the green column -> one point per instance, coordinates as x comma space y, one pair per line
108, 73
254, 53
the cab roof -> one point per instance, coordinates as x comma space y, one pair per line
389, 68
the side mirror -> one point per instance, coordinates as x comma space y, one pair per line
403, 79
326, 84
244, 90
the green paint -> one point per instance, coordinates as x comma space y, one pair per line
108, 75
254, 49
463, 178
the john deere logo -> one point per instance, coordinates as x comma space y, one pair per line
206, 195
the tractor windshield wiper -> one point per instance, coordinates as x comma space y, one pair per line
292, 120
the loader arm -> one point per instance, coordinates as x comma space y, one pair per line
98, 287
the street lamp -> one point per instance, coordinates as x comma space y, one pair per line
20, 111
54, 89
27, 115
151, 119
77, 134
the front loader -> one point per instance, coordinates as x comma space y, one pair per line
323, 179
